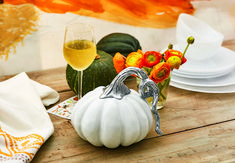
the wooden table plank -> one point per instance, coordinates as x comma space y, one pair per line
187, 114
192, 109
214, 142
54, 78
230, 44
186, 109
175, 119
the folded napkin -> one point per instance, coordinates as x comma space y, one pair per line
24, 123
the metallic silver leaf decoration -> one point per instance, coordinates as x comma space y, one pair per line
147, 88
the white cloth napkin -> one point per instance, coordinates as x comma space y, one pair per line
24, 123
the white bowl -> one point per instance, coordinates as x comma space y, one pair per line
207, 40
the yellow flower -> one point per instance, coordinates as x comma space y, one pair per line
135, 59
174, 62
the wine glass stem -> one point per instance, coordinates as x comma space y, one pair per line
80, 73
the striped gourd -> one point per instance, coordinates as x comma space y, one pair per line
118, 42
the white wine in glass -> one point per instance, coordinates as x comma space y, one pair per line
79, 49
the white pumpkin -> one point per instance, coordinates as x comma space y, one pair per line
113, 119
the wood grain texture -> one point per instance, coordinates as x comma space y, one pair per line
197, 127
230, 44
54, 78
211, 143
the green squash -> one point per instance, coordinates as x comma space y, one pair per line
119, 42
100, 73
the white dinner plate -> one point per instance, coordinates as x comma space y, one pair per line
222, 89
225, 80
221, 63
199, 76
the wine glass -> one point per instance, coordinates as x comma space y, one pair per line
79, 49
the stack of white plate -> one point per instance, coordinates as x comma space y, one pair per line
215, 75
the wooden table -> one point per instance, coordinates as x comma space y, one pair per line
197, 127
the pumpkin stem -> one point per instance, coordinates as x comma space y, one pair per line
147, 88
117, 89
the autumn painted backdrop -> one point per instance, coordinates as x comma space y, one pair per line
145, 13
32, 30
